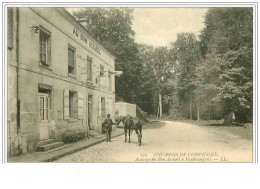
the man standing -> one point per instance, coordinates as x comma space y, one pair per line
108, 126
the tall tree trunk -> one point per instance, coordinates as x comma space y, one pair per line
160, 104
190, 106
158, 111
198, 109
228, 118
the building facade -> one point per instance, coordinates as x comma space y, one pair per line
59, 78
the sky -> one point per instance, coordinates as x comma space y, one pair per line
159, 26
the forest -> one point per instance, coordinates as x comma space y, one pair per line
200, 77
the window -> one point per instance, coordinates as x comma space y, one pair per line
109, 81
103, 107
102, 74
89, 69
45, 46
44, 93
73, 105
71, 60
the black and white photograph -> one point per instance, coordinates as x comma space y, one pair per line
130, 84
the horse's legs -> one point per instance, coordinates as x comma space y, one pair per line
125, 135
129, 135
140, 137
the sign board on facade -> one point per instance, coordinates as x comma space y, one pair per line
83, 38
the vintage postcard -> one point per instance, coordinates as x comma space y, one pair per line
139, 84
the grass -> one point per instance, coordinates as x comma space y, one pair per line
244, 131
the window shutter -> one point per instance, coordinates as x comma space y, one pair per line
99, 106
80, 105
10, 29
66, 104
107, 80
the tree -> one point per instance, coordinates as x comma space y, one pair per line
158, 69
186, 50
207, 81
228, 34
110, 26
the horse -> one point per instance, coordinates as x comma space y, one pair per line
131, 124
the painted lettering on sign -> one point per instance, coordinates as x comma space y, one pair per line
83, 38
93, 46
75, 32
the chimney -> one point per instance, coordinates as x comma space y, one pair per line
83, 22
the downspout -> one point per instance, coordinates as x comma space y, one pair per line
18, 78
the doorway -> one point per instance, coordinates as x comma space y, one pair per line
44, 108
90, 112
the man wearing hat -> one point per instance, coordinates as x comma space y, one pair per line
108, 126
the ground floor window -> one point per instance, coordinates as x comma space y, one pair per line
44, 98
73, 105
103, 107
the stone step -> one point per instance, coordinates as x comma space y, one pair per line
46, 141
49, 146
59, 148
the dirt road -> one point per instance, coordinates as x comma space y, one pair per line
174, 142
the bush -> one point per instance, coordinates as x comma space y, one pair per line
73, 136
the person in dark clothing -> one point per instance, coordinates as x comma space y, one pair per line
108, 126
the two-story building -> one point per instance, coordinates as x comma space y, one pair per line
59, 78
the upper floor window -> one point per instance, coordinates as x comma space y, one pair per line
89, 69
102, 72
109, 81
71, 60
45, 46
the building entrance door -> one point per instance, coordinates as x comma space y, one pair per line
44, 113
90, 112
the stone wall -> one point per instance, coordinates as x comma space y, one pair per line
123, 109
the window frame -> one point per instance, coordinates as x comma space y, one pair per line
109, 75
90, 79
44, 33
74, 105
102, 71
45, 92
103, 109
73, 73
